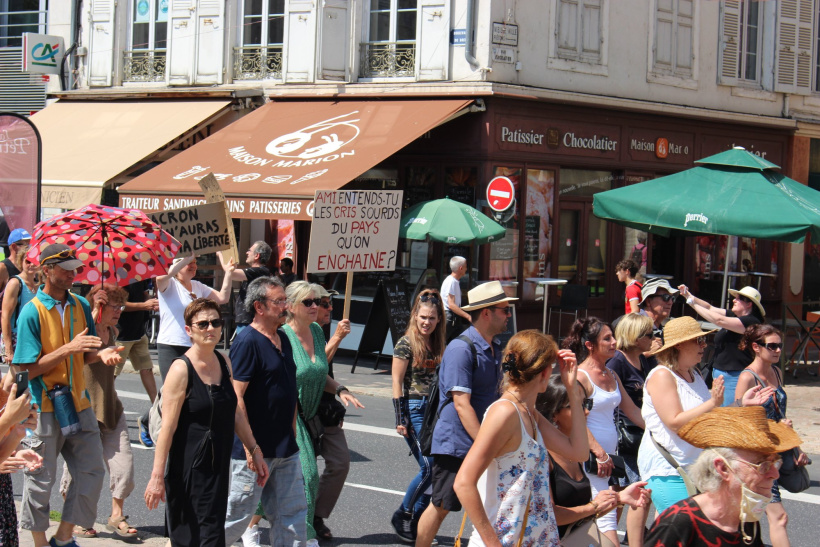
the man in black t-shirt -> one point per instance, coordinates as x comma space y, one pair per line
19, 240
256, 258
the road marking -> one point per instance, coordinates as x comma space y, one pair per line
801, 497
371, 429
374, 488
138, 445
132, 395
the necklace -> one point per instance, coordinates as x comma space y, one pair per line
532, 418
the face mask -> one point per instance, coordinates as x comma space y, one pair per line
752, 506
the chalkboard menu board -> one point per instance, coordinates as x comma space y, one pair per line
390, 309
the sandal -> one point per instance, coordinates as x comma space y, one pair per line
81, 532
116, 525
321, 529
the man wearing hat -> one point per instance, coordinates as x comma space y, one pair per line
657, 297
471, 384
56, 338
19, 241
735, 472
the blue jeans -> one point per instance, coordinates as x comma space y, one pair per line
283, 499
418, 497
729, 384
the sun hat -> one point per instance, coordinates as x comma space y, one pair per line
752, 294
746, 428
61, 255
652, 286
323, 292
18, 234
485, 295
680, 330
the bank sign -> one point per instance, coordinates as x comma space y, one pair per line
42, 53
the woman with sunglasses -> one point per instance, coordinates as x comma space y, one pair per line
729, 360
415, 359
767, 343
569, 486
308, 343
175, 291
19, 291
592, 341
199, 418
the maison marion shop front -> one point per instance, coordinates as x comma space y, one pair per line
557, 157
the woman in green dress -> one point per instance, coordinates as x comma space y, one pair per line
308, 343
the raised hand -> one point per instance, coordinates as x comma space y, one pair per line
569, 367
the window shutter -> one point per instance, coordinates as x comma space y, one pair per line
432, 40
794, 45
567, 29
591, 31
663, 35
210, 42
101, 51
729, 52
333, 40
181, 42
300, 47
684, 52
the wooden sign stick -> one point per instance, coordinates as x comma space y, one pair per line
348, 290
213, 194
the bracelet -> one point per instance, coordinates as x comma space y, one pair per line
255, 448
594, 506
399, 407
340, 388
690, 300
603, 462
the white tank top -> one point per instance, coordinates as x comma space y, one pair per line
650, 461
601, 420
506, 485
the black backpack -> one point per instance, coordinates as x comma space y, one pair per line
637, 255
433, 411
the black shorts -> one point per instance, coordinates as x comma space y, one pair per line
445, 469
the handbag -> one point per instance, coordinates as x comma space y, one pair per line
618, 469
331, 412
314, 428
629, 436
585, 533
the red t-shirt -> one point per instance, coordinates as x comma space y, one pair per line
633, 292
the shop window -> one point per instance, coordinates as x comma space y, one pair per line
460, 184
390, 50
262, 37
504, 252
580, 31
145, 59
419, 185
673, 52
538, 227
581, 183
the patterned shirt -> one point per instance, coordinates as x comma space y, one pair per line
685, 525
417, 376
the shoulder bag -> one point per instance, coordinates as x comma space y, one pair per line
585, 533
691, 489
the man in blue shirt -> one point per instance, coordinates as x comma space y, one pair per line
471, 386
264, 378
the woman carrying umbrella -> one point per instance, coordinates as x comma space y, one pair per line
729, 360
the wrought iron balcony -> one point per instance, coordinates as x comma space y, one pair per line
257, 62
143, 66
388, 60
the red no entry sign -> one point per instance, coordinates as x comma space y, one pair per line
500, 193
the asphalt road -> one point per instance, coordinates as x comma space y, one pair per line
380, 470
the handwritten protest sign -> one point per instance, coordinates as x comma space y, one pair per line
201, 229
354, 231
214, 194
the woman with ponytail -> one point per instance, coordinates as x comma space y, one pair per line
592, 341
503, 483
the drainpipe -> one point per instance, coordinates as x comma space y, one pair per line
468, 47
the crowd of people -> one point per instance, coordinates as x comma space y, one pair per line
539, 445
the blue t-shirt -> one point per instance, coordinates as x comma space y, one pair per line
270, 399
482, 382
632, 378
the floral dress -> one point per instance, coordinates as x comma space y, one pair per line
508, 483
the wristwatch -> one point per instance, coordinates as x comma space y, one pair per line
340, 388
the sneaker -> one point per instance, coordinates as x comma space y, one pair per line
53, 543
145, 436
402, 522
252, 537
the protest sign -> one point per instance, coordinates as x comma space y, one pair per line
354, 231
201, 229
214, 194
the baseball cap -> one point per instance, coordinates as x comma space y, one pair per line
61, 255
18, 234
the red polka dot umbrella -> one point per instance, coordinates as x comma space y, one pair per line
119, 246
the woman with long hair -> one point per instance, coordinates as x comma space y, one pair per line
503, 482
19, 290
308, 343
592, 341
415, 359
766, 343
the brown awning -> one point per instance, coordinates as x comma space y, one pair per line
87, 143
271, 162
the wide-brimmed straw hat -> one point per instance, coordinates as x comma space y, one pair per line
486, 294
752, 294
746, 428
680, 330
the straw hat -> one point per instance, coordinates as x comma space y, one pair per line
752, 294
486, 294
745, 428
680, 330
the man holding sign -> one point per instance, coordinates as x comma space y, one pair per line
256, 257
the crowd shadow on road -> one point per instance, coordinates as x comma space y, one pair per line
382, 539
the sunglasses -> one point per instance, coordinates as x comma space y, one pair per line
432, 298
65, 253
771, 346
586, 403
665, 297
507, 310
701, 340
310, 302
649, 334
326, 304
215, 323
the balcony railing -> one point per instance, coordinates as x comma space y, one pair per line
143, 66
257, 62
388, 60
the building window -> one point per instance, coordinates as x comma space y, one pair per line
263, 35
390, 50
145, 60
578, 30
750, 40
20, 16
673, 50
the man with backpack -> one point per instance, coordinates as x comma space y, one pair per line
468, 383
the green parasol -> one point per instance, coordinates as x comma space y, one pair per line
450, 222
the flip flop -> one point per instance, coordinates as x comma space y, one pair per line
81, 532
115, 525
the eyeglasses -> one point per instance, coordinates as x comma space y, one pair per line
116, 307
215, 323
507, 310
278, 302
763, 467
771, 346
310, 302
432, 298
701, 340
587, 403
665, 297
326, 304
65, 253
